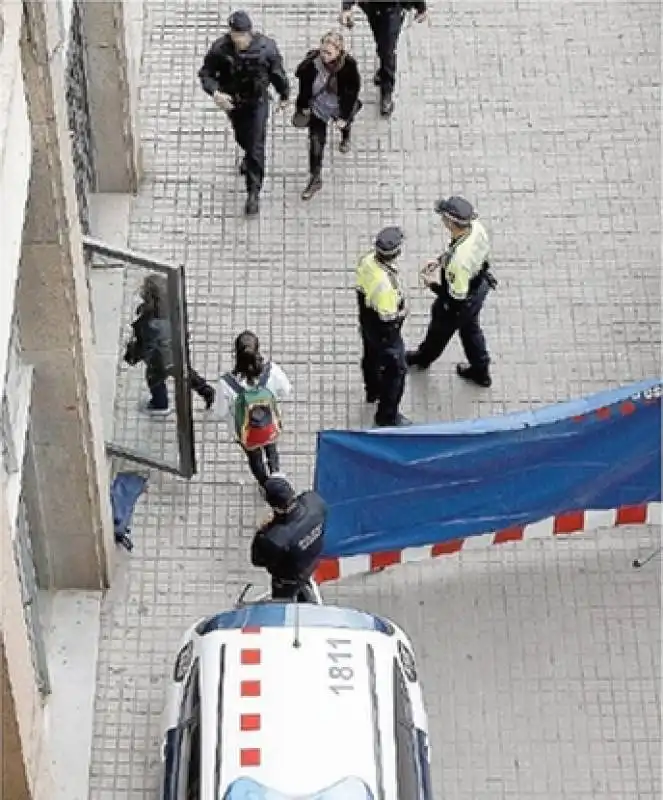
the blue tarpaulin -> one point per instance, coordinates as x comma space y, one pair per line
390, 489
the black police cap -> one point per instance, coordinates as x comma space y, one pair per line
458, 209
240, 22
278, 492
389, 240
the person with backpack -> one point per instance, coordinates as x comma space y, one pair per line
289, 545
249, 397
151, 344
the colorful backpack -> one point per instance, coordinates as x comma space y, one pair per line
256, 413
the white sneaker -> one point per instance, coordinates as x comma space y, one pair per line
146, 407
281, 475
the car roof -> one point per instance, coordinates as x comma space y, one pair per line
299, 708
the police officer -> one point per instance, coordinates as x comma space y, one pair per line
236, 73
386, 20
460, 279
290, 544
381, 315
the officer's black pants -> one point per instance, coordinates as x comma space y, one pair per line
317, 138
386, 22
384, 369
444, 323
249, 121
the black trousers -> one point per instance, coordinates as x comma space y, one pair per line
383, 367
249, 121
317, 139
386, 22
263, 462
445, 322
156, 383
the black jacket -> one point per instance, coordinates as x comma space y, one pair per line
151, 343
244, 75
406, 5
348, 84
289, 546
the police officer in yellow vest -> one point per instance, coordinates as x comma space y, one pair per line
460, 278
381, 315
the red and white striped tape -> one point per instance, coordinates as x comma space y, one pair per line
569, 523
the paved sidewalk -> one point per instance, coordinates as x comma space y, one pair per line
541, 661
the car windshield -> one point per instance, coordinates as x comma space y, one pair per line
279, 615
346, 789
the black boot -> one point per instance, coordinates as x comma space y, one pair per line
345, 144
399, 421
312, 187
252, 207
478, 375
386, 103
412, 360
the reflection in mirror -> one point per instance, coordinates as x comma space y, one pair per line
145, 414
141, 348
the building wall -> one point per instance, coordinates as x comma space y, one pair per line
55, 521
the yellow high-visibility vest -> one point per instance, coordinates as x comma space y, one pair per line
380, 288
464, 260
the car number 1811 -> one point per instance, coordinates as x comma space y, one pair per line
340, 665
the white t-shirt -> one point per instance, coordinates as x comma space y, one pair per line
278, 384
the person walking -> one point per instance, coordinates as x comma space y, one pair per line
236, 73
382, 310
460, 279
386, 20
151, 344
249, 397
290, 544
329, 86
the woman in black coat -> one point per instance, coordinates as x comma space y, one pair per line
329, 85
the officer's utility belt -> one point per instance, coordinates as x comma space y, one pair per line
484, 274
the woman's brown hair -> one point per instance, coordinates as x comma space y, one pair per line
336, 39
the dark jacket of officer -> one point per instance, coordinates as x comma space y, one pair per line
244, 75
290, 545
347, 80
406, 5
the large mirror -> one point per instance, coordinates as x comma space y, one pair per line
152, 415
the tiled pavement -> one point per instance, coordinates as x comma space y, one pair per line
541, 661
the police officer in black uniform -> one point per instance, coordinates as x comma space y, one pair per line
460, 279
290, 544
386, 20
382, 311
236, 73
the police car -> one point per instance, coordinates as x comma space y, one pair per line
285, 701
